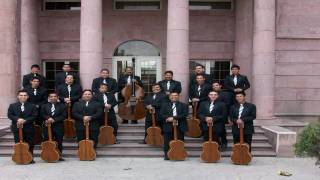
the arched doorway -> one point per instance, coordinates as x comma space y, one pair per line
147, 58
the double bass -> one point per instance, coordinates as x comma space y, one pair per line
69, 128
132, 107
106, 136
194, 123
86, 151
241, 151
210, 149
154, 136
177, 151
21, 154
50, 152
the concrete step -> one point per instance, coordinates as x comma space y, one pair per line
142, 154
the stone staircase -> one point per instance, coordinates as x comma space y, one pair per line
130, 135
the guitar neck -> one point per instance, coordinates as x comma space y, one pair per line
106, 117
69, 111
153, 118
210, 132
241, 134
87, 130
175, 136
49, 132
20, 135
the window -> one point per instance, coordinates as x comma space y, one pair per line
219, 69
136, 48
137, 5
51, 68
210, 4
61, 5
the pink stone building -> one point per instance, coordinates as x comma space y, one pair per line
276, 43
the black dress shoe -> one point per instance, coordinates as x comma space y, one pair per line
142, 142
134, 122
166, 158
223, 147
61, 159
117, 142
32, 162
124, 121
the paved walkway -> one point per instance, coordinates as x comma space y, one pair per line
156, 168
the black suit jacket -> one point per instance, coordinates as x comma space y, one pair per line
226, 98
122, 82
174, 86
242, 82
75, 92
94, 110
193, 80
112, 85
248, 115
30, 114
39, 99
218, 113
205, 89
60, 114
98, 97
27, 78
182, 113
60, 78
156, 103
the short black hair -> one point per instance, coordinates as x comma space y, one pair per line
235, 66
86, 90
35, 66
241, 92
22, 91
217, 81
199, 65
35, 77
52, 92
156, 84
66, 64
212, 90
105, 69
103, 84
171, 92
170, 72
200, 75
69, 75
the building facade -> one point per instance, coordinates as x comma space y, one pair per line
276, 43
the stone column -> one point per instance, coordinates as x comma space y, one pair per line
178, 43
263, 66
90, 41
243, 38
8, 55
29, 35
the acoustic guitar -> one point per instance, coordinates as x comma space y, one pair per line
154, 136
241, 151
194, 123
50, 152
21, 153
106, 136
176, 151
69, 129
86, 151
210, 149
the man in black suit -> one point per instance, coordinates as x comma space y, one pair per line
170, 111
61, 76
168, 84
242, 114
226, 98
54, 113
199, 92
125, 79
199, 69
23, 114
35, 70
154, 101
236, 82
105, 79
69, 92
107, 101
213, 111
37, 94
87, 111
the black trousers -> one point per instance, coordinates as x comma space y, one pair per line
215, 136
93, 135
27, 137
247, 138
223, 137
57, 135
168, 136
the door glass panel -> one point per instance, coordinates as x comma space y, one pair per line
148, 75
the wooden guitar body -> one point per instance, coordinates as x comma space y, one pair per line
50, 152
241, 152
154, 136
194, 123
177, 151
21, 153
210, 149
86, 152
106, 136
69, 128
